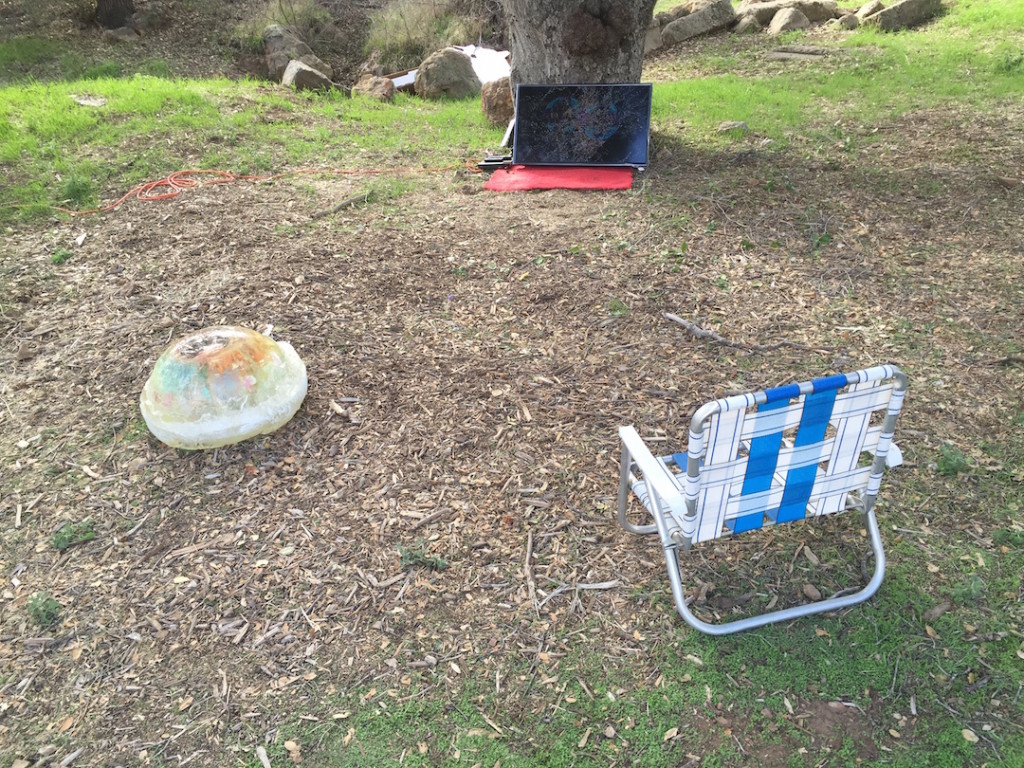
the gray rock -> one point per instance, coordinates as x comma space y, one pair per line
303, 77
314, 62
906, 14
447, 73
712, 16
496, 98
732, 125
281, 46
787, 20
667, 17
120, 35
653, 41
847, 21
747, 25
376, 87
153, 16
869, 8
814, 10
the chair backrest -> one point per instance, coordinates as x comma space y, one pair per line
788, 453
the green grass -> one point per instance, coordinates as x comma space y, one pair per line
56, 152
972, 56
21, 53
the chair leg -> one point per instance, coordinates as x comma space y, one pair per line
625, 490
786, 614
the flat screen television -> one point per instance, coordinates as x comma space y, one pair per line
584, 124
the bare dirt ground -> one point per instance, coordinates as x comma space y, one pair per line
471, 355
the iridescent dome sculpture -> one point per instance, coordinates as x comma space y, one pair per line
222, 385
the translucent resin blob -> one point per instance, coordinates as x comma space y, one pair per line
222, 385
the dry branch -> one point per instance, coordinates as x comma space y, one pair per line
703, 333
365, 197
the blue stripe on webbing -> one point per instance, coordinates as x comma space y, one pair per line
749, 522
787, 392
800, 482
829, 382
761, 462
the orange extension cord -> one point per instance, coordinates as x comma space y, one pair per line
172, 185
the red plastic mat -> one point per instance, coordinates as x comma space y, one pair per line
521, 177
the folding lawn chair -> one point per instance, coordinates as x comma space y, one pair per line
769, 457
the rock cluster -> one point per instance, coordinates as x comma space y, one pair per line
702, 17
291, 62
154, 16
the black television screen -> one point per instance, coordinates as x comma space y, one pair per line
587, 124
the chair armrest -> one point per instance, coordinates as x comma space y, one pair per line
655, 474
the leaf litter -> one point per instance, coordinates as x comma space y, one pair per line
466, 380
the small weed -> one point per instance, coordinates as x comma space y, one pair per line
411, 558
951, 462
43, 609
617, 308
73, 533
722, 283
60, 256
77, 191
969, 591
460, 271
820, 241
1010, 63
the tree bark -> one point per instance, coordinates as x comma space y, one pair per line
577, 41
112, 14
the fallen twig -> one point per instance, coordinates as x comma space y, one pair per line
575, 588
430, 518
365, 197
528, 573
1008, 360
704, 333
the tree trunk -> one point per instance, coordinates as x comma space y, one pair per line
112, 14
577, 41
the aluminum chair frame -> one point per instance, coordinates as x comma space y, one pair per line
678, 500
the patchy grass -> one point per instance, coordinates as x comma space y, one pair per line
45, 136
70, 534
